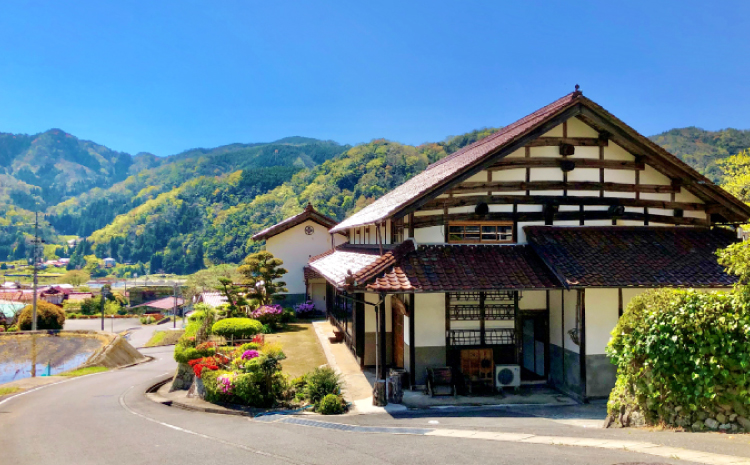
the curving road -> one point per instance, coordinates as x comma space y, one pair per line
106, 419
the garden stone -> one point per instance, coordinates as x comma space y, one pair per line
678, 409
701, 416
721, 418
740, 409
725, 427
732, 417
744, 422
711, 423
698, 426
727, 408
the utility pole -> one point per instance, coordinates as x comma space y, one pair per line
174, 306
36, 269
102, 296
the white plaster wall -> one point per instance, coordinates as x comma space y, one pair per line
533, 300
429, 235
577, 128
295, 248
570, 319
614, 152
429, 311
554, 132
370, 320
601, 318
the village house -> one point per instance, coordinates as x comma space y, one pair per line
512, 259
295, 240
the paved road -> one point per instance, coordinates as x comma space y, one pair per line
106, 418
138, 335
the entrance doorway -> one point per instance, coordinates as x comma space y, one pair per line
534, 345
319, 296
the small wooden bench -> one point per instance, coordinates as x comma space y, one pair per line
440, 380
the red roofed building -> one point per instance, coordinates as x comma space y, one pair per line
516, 255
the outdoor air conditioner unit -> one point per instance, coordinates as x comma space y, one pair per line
507, 376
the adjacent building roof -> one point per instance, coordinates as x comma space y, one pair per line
79, 296
9, 309
335, 265
461, 164
638, 256
308, 214
212, 299
166, 303
310, 273
445, 268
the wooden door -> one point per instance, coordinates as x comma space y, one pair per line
398, 338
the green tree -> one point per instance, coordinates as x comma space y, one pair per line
261, 271
735, 175
237, 305
75, 277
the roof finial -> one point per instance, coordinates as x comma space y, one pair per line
577, 91
309, 206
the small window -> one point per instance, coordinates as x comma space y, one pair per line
480, 232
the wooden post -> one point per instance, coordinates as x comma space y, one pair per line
619, 301
582, 337
412, 343
482, 338
382, 355
411, 225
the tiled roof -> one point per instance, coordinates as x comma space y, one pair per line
166, 303
443, 171
451, 165
639, 256
212, 299
444, 268
310, 273
308, 214
79, 296
335, 265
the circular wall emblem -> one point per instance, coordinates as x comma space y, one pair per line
309, 230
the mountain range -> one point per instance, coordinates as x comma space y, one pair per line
200, 207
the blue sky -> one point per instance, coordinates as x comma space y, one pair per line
164, 77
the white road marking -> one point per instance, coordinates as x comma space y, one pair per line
204, 436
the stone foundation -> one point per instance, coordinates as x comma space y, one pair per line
183, 378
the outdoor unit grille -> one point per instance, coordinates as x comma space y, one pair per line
507, 376
473, 337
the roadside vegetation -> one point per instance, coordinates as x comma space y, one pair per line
84, 371
4, 391
165, 338
683, 356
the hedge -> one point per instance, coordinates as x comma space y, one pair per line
238, 328
683, 358
48, 316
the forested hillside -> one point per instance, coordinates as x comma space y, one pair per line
701, 149
213, 219
183, 212
271, 163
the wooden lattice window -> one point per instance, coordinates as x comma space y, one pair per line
492, 232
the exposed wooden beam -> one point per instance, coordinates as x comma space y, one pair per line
576, 141
539, 162
437, 220
509, 186
466, 200
488, 160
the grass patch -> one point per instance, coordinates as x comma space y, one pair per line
165, 338
84, 371
301, 347
4, 391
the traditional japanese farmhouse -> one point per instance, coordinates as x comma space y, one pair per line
512, 259
295, 240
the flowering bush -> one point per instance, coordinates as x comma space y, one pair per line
250, 354
225, 382
268, 314
204, 363
305, 310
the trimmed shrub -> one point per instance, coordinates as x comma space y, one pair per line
331, 404
321, 382
238, 328
48, 316
196, 316
682, 356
